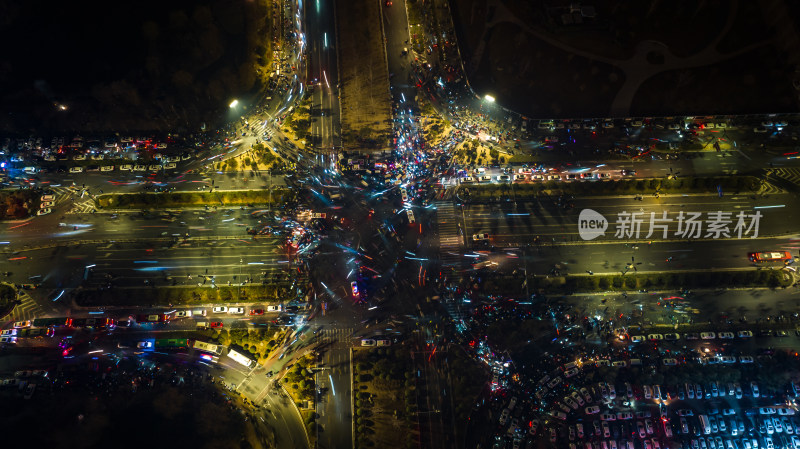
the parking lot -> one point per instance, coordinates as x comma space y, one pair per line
697, 390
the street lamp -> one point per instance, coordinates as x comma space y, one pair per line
488, 98
234, 103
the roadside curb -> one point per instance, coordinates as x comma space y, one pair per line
299, 415
352, 402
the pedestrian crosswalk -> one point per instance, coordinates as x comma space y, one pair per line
450, 241
339, 334
454, 310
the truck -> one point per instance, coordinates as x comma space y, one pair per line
152, 318
52, 322
172, 343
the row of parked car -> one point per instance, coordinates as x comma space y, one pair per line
700, 336
520, 177
126, 167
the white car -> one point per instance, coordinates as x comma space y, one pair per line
592, 409
45, 204
183, 314
144, 344
155, 167
219, 309
97, 157
8, 339
354, 289
44, 211
274, 308
8, 333
76, 169
236, 311
139, 168
80, 157
480, 237
107, 168
637, 338
707, 335
126, 167
368, 342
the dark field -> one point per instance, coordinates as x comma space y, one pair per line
632, 58
146, 65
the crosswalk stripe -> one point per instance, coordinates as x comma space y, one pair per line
450, 242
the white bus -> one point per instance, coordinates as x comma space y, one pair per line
207, 347
241, 358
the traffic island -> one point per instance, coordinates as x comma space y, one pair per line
511, 285
165, 200
181, 296
384, 393
299, 384
520, 191
8, 299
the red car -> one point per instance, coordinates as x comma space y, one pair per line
257, 312
216, 324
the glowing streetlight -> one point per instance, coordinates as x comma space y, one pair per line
234, 103
488, 98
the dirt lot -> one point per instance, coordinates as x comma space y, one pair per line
547, 61
365, 100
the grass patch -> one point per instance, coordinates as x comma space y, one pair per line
8, 299
18, 204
